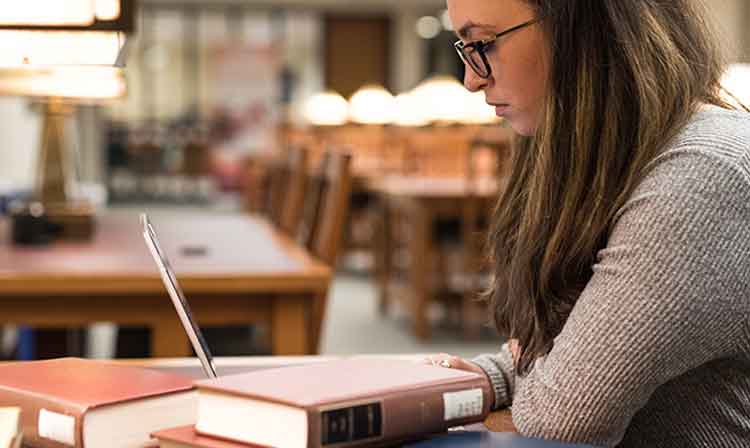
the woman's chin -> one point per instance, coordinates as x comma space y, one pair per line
521, 127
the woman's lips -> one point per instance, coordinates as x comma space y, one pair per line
501, 109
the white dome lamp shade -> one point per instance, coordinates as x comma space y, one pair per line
327, 109
409, 112
372, 105
444, 100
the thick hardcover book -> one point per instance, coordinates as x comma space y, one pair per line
187, 437
351, 402
86, 403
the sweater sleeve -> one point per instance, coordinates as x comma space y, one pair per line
666, 296
499, 369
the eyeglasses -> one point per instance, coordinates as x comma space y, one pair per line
474, 54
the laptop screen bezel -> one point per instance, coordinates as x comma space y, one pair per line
178, 298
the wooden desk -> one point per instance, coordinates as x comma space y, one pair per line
499, 421
234, 270
420, 201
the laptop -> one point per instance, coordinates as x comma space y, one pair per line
178, 298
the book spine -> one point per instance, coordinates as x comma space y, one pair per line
399, 415
46, 423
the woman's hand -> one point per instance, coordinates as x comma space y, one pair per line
513, 347
452, 362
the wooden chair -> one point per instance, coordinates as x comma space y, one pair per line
452, 273
487, 162
324, 218
286, 179
437, 151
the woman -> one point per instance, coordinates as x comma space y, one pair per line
621, 247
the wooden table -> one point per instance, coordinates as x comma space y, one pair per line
234, 270
419, 201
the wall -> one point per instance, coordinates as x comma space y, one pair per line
19, 129
732, 19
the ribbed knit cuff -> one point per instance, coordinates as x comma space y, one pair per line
500, 386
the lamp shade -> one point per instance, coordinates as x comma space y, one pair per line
111, 15
23, 48
49, 13
327, 109
408, 111
80, 83
443, 99
371, 105
107, 10
736, 80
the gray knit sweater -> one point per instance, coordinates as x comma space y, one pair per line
656, 352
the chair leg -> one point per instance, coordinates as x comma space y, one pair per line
383, 260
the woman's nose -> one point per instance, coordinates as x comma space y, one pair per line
474, 82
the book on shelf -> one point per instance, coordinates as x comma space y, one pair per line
11, 434
86, 403
358, 401
187, 437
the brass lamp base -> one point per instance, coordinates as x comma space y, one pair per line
55, 178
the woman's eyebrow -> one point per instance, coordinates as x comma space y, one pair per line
470, 26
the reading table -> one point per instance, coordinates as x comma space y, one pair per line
234, 269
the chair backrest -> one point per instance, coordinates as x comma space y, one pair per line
277, 180
313, 199
437, 151
296, 177
326, 207
286, 177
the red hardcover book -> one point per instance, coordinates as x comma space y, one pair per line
359, 401
187, 437
86, 403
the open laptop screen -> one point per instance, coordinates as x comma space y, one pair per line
178, 299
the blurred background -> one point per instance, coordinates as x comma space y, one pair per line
232, 108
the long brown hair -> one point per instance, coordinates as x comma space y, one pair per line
626, 76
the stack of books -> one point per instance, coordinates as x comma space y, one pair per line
84, 403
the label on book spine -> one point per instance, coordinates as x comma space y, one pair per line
351, 424
462, 404
58, 427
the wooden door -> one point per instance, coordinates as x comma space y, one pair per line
357, 52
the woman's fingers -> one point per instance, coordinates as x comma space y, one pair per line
452, 362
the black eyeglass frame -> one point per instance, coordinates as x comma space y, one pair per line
480, 46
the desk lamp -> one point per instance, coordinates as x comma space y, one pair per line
63, 53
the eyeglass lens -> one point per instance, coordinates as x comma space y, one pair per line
474, 59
